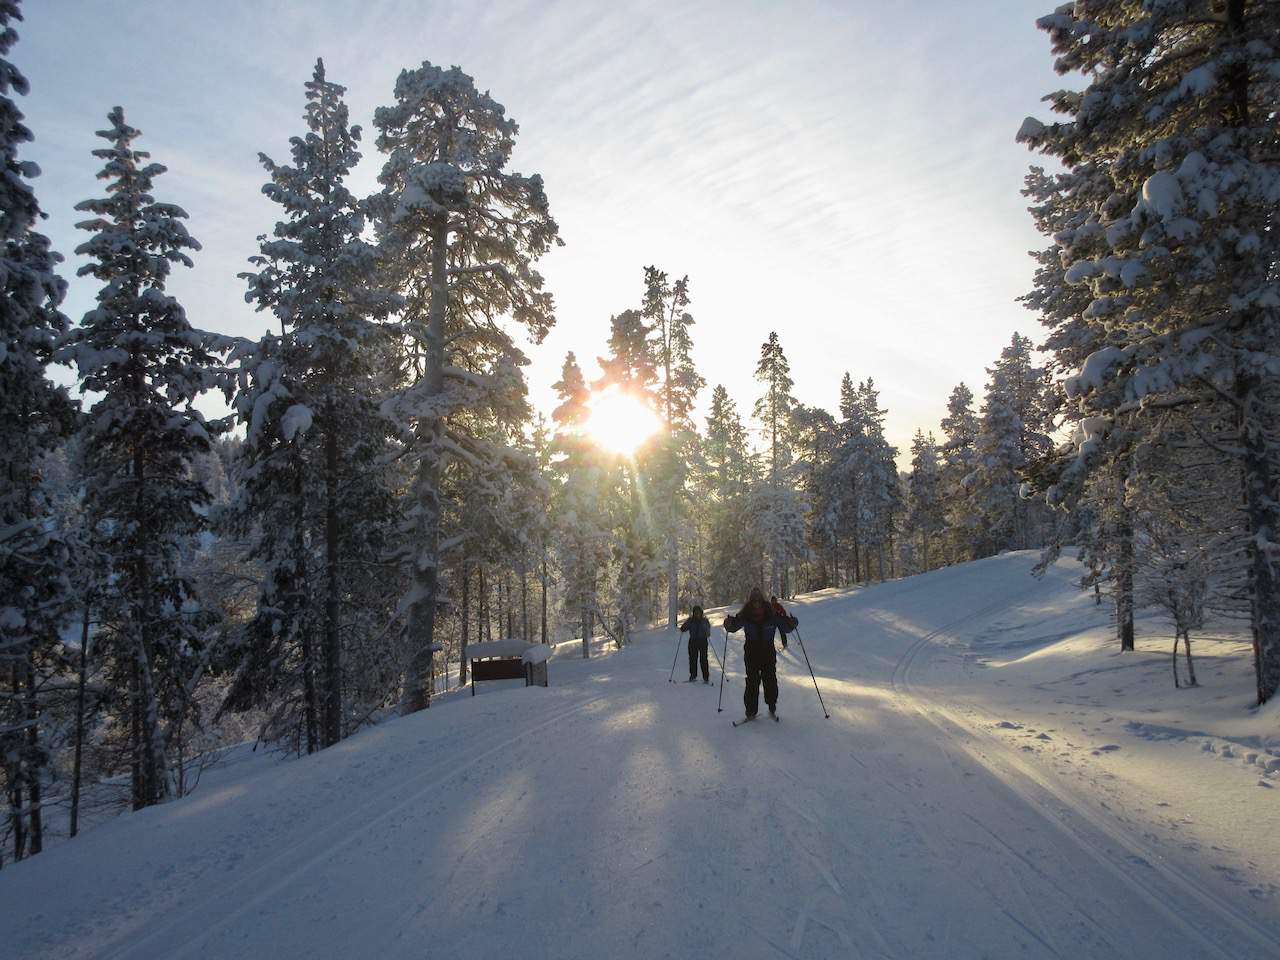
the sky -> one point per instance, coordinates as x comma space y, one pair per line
843, 172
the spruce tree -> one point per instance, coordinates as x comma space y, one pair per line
1010, 438
313, 501
960, 427
924, 517
1168, 206
34, 417
729, 469
137, 350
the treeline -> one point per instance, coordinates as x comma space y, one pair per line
383, 494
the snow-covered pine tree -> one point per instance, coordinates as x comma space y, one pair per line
924, 516
865, 477
313, 503
34, 416
1172, 159
581, 536
1010, 438
960, 427
773, 410
1101, 524
138, 351
665, 310
460, 233
728, 470
816, 440
630, 503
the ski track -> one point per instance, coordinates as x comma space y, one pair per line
615, 815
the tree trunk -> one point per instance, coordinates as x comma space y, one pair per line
1124, 563
14, 764
78, 749
466, 623
32, 765
426, 488
524, 598
511, 604
332, 648
297, 606
545, 637
1262, 514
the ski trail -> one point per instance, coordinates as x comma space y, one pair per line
275, 874
1072, 818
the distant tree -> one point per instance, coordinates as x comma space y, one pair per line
1010, 437
665, 311
773, 410
727, 472
581, 535
960, 428
924, 517
865, 477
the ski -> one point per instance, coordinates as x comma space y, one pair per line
738, 723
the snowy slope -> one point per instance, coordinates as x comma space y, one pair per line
617, 815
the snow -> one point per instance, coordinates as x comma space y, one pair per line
296, 420
496, 648
996, 780
1030, 130
1094, 372
538, 653
1162, 195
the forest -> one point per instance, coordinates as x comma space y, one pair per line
374, 490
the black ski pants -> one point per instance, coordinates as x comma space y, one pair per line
698, 654
762, 668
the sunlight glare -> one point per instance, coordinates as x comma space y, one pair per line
620, 421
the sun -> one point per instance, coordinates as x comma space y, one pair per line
620, 421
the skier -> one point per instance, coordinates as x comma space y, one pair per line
758, 620
779, 611
699, 628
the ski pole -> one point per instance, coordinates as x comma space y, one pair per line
815, 679
715, 653
719, 708
672, 678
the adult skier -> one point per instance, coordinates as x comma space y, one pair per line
758, 621
699, 629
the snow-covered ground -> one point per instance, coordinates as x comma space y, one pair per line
994, 781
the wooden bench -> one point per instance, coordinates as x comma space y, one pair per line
508, 660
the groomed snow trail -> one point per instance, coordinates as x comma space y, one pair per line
618, 815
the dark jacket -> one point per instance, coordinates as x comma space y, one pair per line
758, 624
698, 628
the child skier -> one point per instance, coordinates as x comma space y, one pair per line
699, 628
